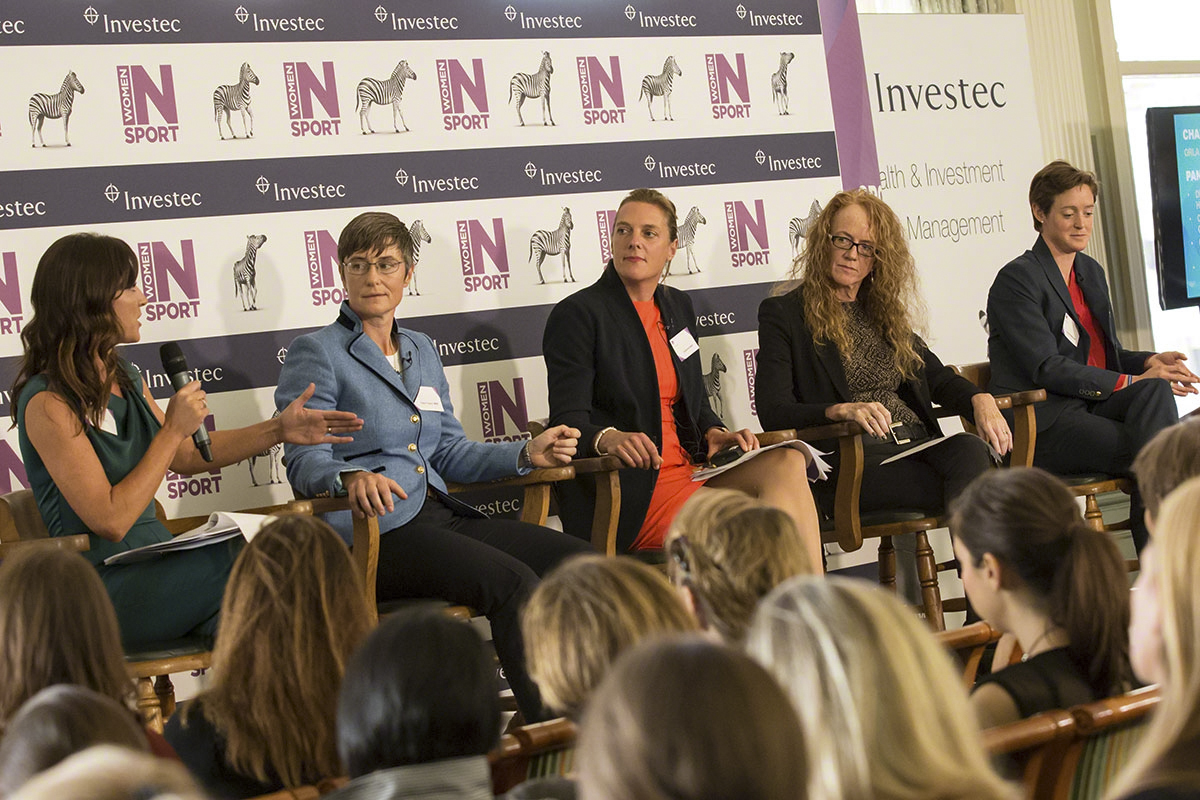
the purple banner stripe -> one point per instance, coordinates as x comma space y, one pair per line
848, 91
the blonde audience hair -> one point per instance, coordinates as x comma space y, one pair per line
107, 772
1166, 755
729, 551
292, 614
884, 714
684, 719
584, 614
1166, 461
50, 636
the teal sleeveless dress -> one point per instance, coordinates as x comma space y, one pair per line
158, 600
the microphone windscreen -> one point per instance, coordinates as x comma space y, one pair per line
173, 359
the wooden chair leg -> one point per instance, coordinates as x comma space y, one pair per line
148, 705
887, 563
931, 595
165, 690
1092, 514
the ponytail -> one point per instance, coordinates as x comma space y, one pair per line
1090, 601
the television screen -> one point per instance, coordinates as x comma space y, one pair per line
1174, 139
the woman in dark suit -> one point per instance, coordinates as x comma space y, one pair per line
841, 346
623, 367
1051, 327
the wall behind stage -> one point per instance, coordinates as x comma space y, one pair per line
725, 106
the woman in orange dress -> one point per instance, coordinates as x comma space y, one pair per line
623, 366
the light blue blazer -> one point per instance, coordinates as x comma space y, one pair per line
419, 448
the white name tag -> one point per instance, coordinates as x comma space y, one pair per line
1070, 330
684, 345
428, 399
109, 423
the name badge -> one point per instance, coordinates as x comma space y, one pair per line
428, 399
109, 423
1070, 330
684, 344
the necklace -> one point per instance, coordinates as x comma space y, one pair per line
1029, 653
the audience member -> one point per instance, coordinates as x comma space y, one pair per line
58, 722
688, 719
293, 612
112, 773
97, 445
725, 552
1165, 645
418, 712
623, 366
586, 613
1033, 569
57, 625
1167, 460
883, 713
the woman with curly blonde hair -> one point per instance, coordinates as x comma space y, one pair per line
842, 345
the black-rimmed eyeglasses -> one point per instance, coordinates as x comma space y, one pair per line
865, 249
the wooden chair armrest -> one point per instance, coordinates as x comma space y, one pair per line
833, 430
547, 475
768, 438
365, 549
586, 466
76, 544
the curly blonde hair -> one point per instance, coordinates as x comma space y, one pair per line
890, 295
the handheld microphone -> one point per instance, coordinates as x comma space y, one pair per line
175, 365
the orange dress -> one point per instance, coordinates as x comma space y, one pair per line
674, 485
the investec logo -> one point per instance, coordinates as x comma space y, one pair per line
158, 269
750, 357
11, 466
605, 221
301, 85
728, 86
742, 225
495, 403
455, 87
10, 296
473, 242
320, 250
138, 91
120, 25
596, 82
195, 485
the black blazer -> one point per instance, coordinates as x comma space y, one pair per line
600, 372
798, 378
1028, 349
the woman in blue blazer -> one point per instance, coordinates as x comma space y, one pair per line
411, 443
1051, 327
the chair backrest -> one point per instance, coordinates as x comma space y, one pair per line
1035, 747
1108, 731
20, 519
533, 751
306, 792
968, 645
979, 373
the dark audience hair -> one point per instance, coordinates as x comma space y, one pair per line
51, 635
373, 232
74, 331
293, 613
1054, 179
1166, 461
684, 718
1028, 520
421, 688
58, 722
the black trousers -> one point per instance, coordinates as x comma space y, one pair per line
1107, 436
491, 565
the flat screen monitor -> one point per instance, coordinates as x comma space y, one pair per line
1174, 138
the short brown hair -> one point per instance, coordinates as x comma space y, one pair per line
373, 232
585, 613
1054, 179
1166, 461
656, 198
49, 635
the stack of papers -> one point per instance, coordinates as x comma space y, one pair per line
818, 468
221, 526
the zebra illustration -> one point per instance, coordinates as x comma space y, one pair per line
419, 235
779, 83
272, 456
524, 86
53, 106
660, 86
687, 238
712, 385
243, 273
552, 243
382, 92
798, 228
235, 97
